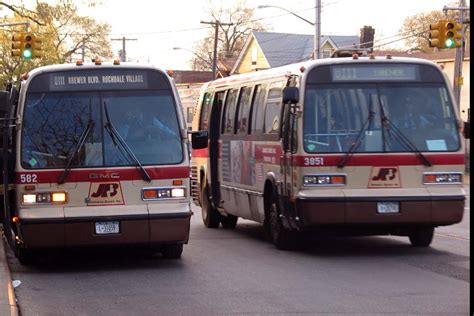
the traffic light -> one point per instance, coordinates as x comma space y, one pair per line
437, 34
36, 46
26, 45
27, 52
452, 34
17, 44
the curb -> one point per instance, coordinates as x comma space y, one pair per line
7, 295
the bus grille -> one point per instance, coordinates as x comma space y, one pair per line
194, 184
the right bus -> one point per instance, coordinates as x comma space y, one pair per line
358, 146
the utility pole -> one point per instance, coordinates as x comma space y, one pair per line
123, 39
317, 32
458, 62
216, 37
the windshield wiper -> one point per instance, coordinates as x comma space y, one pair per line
122, 145
356, 143
80, 143
403, 140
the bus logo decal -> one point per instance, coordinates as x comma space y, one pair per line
385, 177
106, 190
105, 193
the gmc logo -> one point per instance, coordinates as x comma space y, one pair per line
99, 176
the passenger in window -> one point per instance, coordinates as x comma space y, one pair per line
418, 113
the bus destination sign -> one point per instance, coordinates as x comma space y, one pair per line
379, 72
85, 80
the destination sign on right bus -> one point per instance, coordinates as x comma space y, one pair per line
378, 72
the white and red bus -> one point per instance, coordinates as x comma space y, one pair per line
363, 146
99, 157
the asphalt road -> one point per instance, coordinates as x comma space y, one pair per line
239, 272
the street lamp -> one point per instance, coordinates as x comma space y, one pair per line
197, 56
317, 25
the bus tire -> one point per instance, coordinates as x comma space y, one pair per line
172, 251
422, 237
282, 238
210, 216
229, 221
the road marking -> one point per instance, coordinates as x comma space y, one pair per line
452, 236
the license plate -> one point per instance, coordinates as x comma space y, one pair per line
110, 227
388, 207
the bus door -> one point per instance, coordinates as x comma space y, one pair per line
288, 130
214, 136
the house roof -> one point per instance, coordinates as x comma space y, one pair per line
284, 48
191, 76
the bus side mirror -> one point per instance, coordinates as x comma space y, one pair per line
467, 131
5, 104
291, 95
199, 139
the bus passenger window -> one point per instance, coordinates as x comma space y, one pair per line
204, 119
258, 108
229, 112
244, 110
272, 110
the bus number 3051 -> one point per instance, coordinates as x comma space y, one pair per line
314, 161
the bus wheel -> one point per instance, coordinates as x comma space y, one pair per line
172, 251
25, 256
282, 238
210, 216
229, 221
422, 236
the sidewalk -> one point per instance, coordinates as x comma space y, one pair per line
7, 296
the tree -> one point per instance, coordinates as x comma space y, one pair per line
416, 29
231, 38
65, 35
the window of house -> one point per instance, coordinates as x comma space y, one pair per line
244, 110
229, 112
327, 53
189, 114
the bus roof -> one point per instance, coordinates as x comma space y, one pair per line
304, 67
91, 66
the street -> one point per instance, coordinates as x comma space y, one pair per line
240, 272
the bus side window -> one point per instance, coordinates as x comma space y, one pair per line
258, 107
273, 110
204, 119
244, 110
229, 112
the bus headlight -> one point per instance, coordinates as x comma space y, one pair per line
442, 178
324, 180
150, 194
29, 198
44, 197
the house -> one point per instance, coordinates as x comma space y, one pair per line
263, 50
189, 83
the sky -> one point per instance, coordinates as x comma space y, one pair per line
158, 26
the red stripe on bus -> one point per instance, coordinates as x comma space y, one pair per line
379, 160
98, 175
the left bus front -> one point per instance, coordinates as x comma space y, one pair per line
102, 161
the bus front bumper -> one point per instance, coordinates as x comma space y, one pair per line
345, 210
147, 229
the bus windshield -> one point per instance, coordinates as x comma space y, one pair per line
378, 117
54, 122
